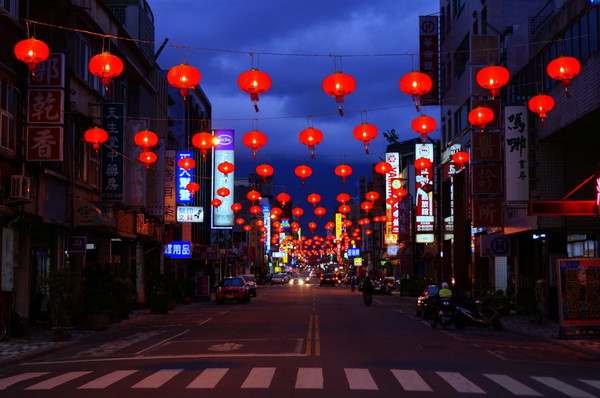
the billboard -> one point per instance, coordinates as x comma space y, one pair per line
224, 152
424, 182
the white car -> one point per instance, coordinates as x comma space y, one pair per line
280, 278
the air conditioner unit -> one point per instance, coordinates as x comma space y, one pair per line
20, 187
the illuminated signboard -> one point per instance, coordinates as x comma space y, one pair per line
190, 214
178, 249
391, 178
285, 223
353, 252
424, 194
223, 215
184, 177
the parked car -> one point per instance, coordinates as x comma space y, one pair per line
328, 279
426, 301
280, 278
251, 282
232, 288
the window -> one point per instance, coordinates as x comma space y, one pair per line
458, 6
461, 57
84, 53
87, 159
8, 129
10, 6
461, 118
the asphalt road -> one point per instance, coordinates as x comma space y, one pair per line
304, 341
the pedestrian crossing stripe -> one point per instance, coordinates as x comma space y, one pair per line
358, 379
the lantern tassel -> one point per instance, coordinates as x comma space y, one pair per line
340, 110
367, 149
256, 106
567, 92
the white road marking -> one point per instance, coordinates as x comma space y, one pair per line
410, 380
512, 385
497, 355
157, 379
56, 381
108, 379
564, 388
162, 342
360, 379
259, 378
204, 321
9, 381
309, 378
593, 383
460, 383
208, 378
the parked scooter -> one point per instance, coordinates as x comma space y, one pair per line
476, 314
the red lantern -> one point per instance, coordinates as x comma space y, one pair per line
183, 77
96, 136
372, 196
564, 69
259, 223
297, 211
422, 163
314, 198
399, 192
223, 191
481, 116
368, 232
423, 125
186, 163
148, 158
146, 139
383, 218
344, 209
240, 221
236, 207
493, 77
312, 226
254, 82
460, 158
32, 51
343, 198
392, 200
541, 104
253, 196
383, 168
264, 170
329, 226
283, 198
365, 132
303, 171
366, 206
339, 85
311, 137
320, 211
416, 84
343, 171
216, 202
193, 187
276, 211
105, 66
255, 210
205, 142
247, 228
226, 168
254, 140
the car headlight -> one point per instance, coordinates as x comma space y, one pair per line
301, 282
291, 282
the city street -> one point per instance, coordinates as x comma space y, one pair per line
303, 341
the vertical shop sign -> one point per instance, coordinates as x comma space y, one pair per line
486, 146
45, 144
579, 292
487, 179
170, 204
393, 158
516, 155
429, 56
184, 177
113, 121
424, 180
487, 213
224, 152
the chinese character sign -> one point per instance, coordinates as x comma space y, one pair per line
113, 121
424, 177
184, 177
45, 144
50, 73
579, 292
224, 152
170, 204
393, 158
429, 56
178, 249
516, 154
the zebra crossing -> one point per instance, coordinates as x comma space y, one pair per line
357, 379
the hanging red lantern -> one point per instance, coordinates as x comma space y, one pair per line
343, 170
226, 168
193, 187
283, 198
247, 228
254, 82
311, 137
372, 196
344, 209
399, 192
205, 142
564, 69
303, 171
276, 211
264, 170
383, 168
148, 158
339, 85
329, 226
460, 158
297, 211
254, 140
146, 139
223, 191
253, 196
216, 202
364, 221
416, 84
312, 226
256, 210
383, 218
186, 163
31, 51
313, 198
541, 104
320, 211
236, 207
493, 77
368, 232
422, 163
365, 132
392, 200
183, 77
423, 125
95, 136
259, 223
366, 206
481, 116
105, 66
343, 198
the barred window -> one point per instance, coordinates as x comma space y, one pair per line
8, 128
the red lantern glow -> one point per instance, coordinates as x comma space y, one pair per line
564, 69
343, 198
240, 221
344, 209
399, 192
297, 211
146, 139
460, 158
236, 207
416, 84
253, 196
392, 200
311, 137
365, 132
422, 163
223, 192
216, 202
247, 228
481, 116
383, 168
226, 168
313, 198
424, 125
541, 104
366, 206
254, 82
303, 171
339, 85
320, 211
105, 66
96, 136
255, 210
183, 77
186, 163
283, 198
343, 170
193, 187
312, 226
264, 170
276, 211
205, 142
254, 140
493, 77
148, 158
32, 51
372, 196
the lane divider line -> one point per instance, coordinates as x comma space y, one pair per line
317, 337
309, 337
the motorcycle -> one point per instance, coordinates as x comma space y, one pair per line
368, 297
476, 314
445, 312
